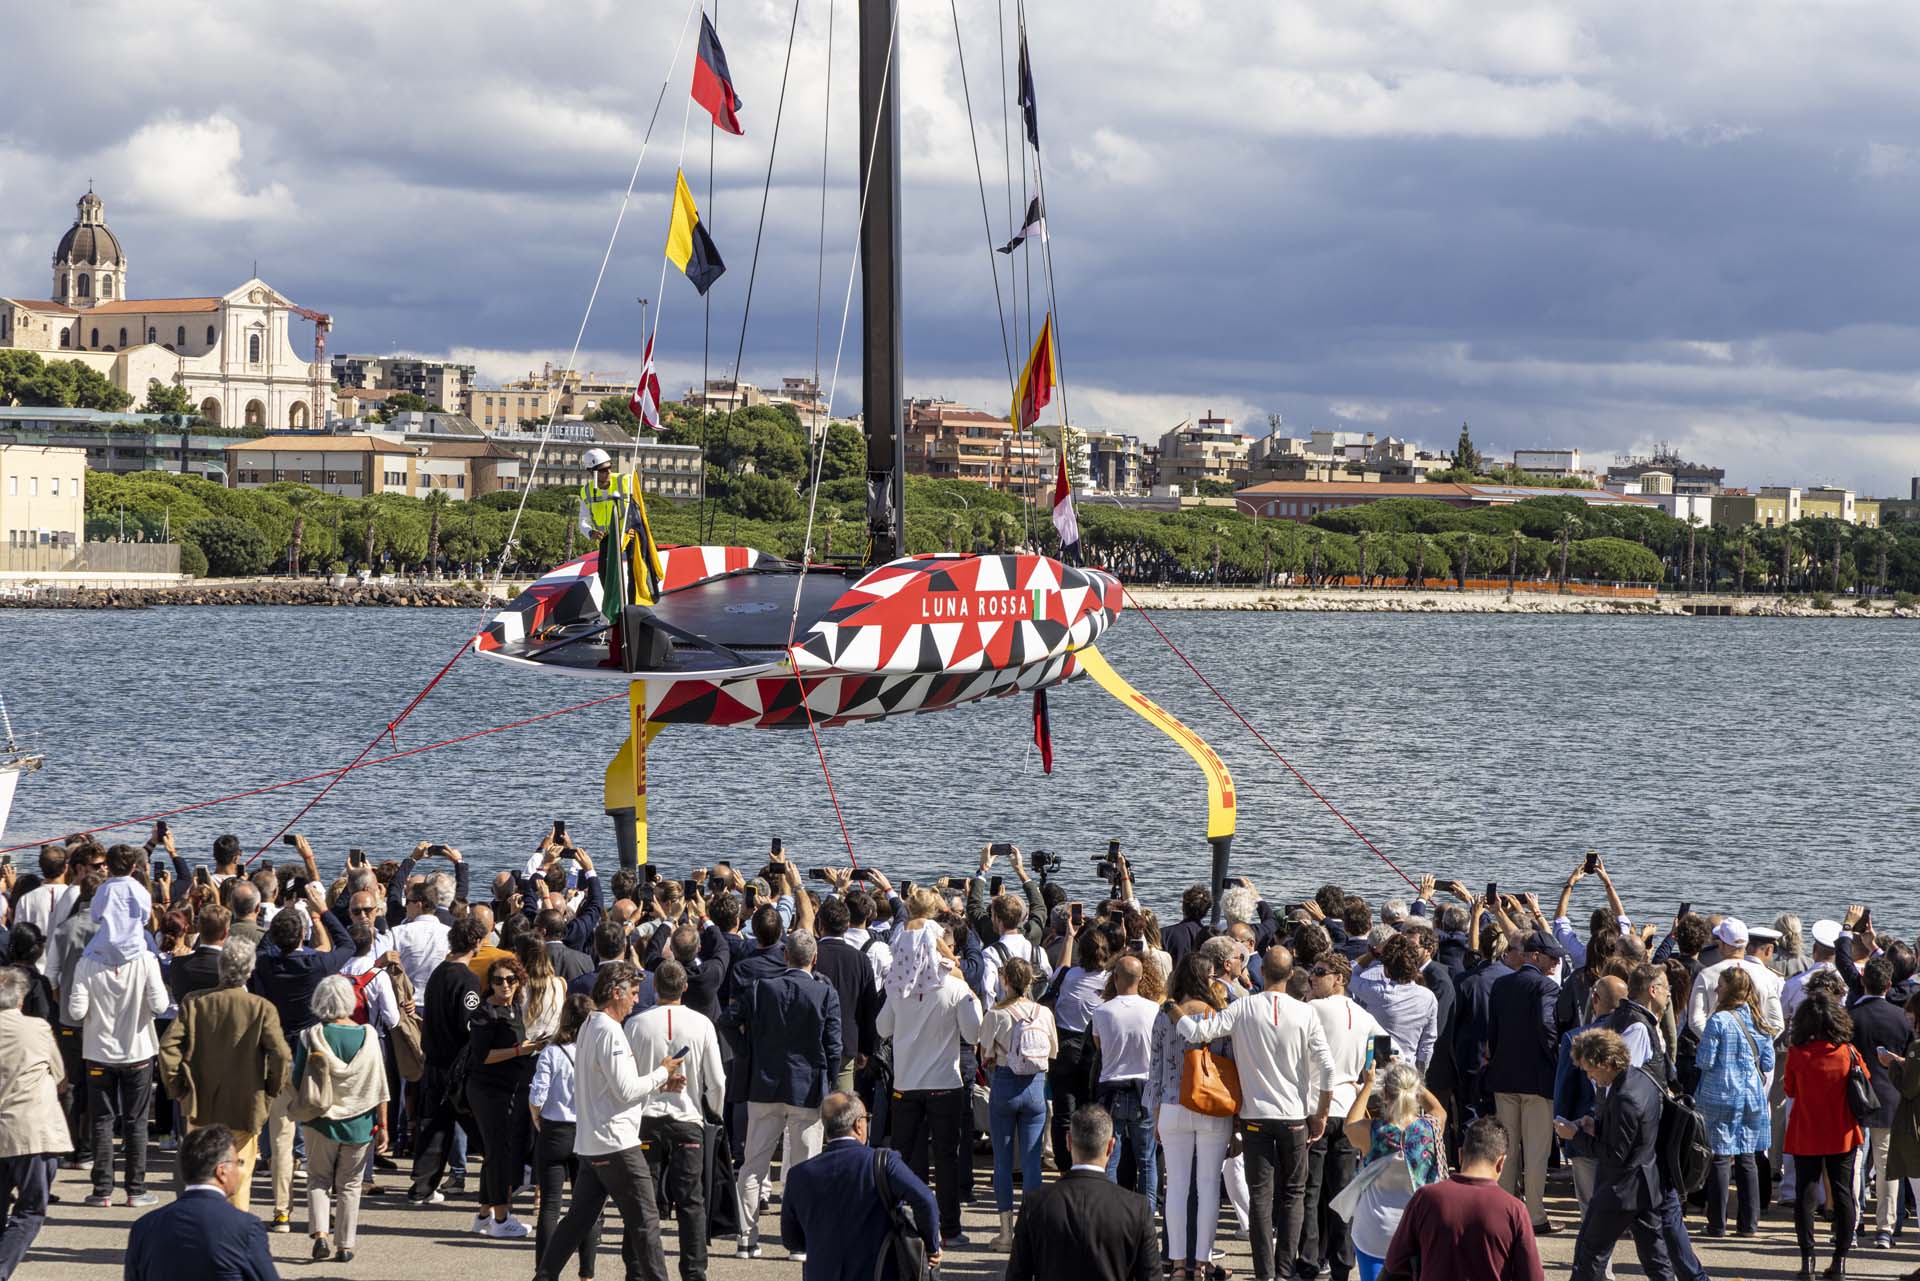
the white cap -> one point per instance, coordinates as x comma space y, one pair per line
1827, 933
596, 458
1761, 934
1732, 931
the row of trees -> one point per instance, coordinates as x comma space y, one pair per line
28, 379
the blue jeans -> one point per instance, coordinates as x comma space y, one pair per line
1016, 1113
1132, 1131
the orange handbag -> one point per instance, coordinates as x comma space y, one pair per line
1209, 1083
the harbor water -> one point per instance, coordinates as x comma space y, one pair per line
1751, 766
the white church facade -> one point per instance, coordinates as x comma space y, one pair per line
233, 353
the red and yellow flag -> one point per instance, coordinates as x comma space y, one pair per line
1036, 380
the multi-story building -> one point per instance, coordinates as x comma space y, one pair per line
438, 382
1769, 506
1205, 449
119, 442
1116, 464
670, 471
724, 395
1555, 464
510, 407
43, 495
232, 352
949, 441
1688, 477
361, 464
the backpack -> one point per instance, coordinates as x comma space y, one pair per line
1029, 1049
361, 1014
1685, 1154
903, 1248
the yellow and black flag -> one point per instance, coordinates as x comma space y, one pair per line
689, 247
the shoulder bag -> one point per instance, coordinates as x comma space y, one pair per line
313, 1092
903, 1247
1209, 1083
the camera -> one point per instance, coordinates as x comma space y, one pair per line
1044, 861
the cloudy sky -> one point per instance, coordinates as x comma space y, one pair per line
1603, 225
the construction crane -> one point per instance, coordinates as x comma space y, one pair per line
321, 324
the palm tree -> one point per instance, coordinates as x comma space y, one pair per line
1005, 530
1568, 525
1788, 537
299, 536
1419, 560
1366, 537
952, 526
1743, 543
1466, 556
1219, 531
1693, 526
1313, 571
369, 543
828, 515
1513, 559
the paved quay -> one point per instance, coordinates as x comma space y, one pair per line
399, 1242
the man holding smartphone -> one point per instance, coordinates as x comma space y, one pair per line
673, 1123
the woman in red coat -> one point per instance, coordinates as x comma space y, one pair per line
1821, 1131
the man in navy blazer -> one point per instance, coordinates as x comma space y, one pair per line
1625, 1128
1523, 1049
200, 1236
790, 1024
831, 1213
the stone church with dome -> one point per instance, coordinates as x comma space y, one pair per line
232, 352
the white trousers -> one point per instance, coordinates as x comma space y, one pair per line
767, 1124
1195, 1150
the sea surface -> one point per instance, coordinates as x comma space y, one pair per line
1745, 765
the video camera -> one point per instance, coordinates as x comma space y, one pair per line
1045, 862
1111, 866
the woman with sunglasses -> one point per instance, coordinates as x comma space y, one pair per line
500, 1061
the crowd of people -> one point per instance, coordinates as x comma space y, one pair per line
1357, 1091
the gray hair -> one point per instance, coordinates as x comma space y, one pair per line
1377, 937
840, 1113
13, 987
1453, 919
440, 884
801, 948
236, 962
1394, 911
362, 879
332, 999
1089, 1133
1240, 904
1220, 950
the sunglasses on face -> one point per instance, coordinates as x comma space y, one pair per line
1320, 971
505, 980
365, 911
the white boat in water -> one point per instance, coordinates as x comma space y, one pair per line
16, 762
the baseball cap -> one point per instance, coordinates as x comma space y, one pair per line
1732, 931
1827, 933
1543, 945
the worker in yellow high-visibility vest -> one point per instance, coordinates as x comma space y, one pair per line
613, 511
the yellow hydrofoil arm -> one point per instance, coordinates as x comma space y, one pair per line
625, 790
1221, 812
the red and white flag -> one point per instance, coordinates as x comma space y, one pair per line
1063, 517
645, 402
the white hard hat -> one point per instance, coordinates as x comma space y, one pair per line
597, 458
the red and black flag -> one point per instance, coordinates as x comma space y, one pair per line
1042, 730
1028, 112
713, 83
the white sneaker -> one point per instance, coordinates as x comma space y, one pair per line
508, 1227
482, 1224
744, 1248
797, 1257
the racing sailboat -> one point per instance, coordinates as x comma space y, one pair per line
736, 637
16, 762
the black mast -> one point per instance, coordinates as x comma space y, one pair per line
881, 379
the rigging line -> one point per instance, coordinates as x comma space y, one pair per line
546, 433
766, 191
821, 752
706, 299
846, 310
1026, 260
386, 731
341, 770
1228, 704
986, 222
820, 269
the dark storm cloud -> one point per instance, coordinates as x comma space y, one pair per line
1592, 225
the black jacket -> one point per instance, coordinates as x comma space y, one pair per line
841, 964
1523, 1036
453, 996
1180, 939
1439, 980
1627, 1142
1086, 1228
197, 971
567, 963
